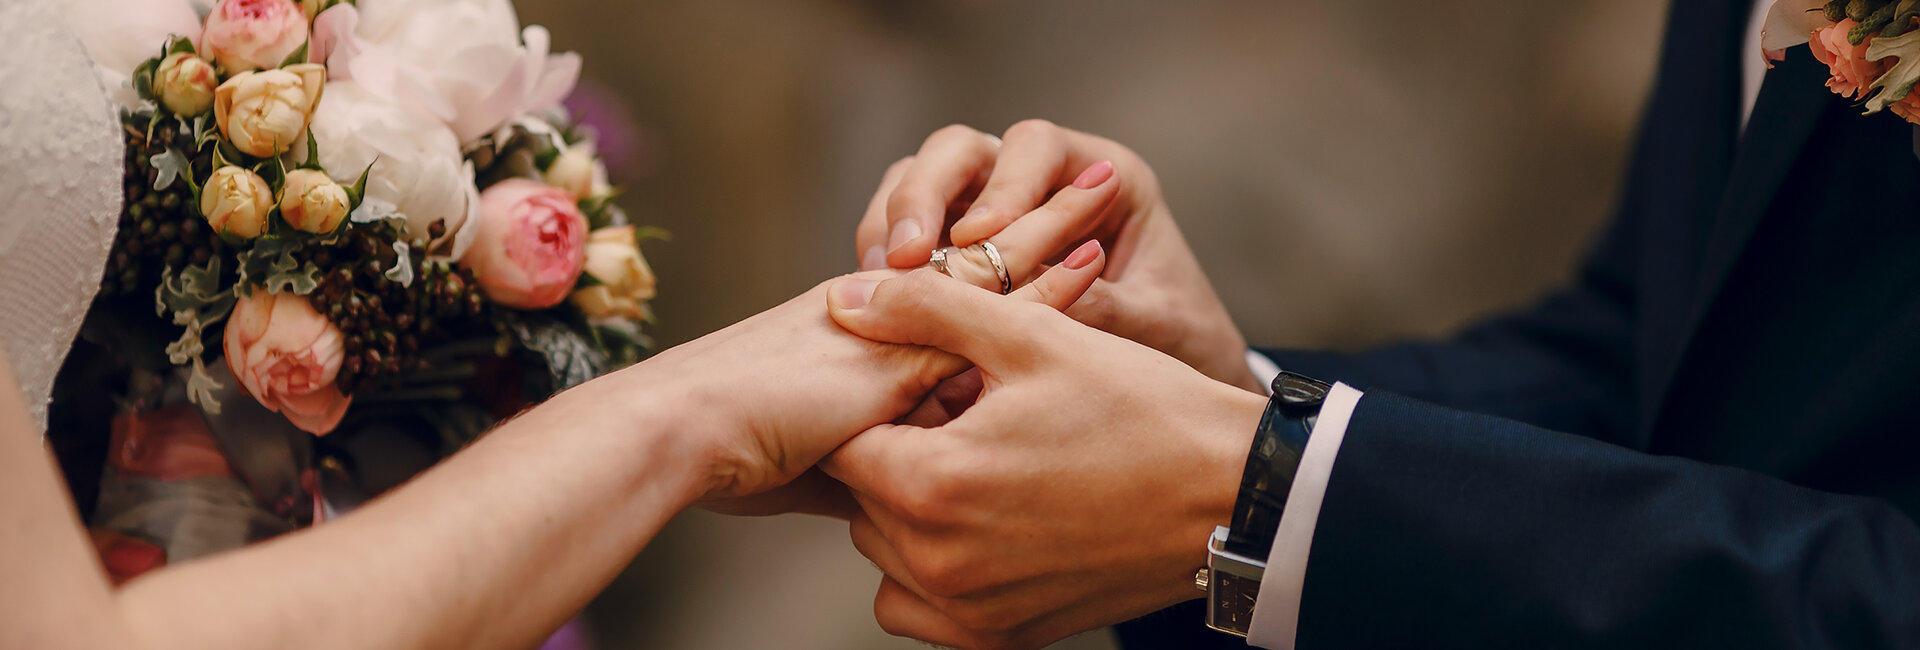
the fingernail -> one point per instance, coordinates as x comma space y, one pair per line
903, 232
854, 293
1094, 176
1083, 255
874, 260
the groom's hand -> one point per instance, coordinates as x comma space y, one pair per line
1153, 292
1078, 491
770, 396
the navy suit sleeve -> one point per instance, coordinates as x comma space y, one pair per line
1444, 529
1564, 364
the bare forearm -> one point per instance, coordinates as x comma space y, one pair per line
492, 549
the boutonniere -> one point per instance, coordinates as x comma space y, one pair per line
1871, 46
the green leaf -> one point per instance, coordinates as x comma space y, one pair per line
357, 193
402, 271
170, 165
192, 288
270, 261
143, 79
202, 389
301, 281
1872, 23
1899, 79
201, 134
570, 357
189, 351
298, 56
1902, 19
313, 154
644, 234
177, 45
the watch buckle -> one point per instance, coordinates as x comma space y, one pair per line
1232, 583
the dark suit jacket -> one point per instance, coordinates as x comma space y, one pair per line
1711, 440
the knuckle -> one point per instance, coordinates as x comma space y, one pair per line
902, 201
941, 575
1032, 128
953, 132
930, 498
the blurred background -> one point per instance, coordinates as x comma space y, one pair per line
1405, 166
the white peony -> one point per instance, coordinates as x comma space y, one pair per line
419, 169
467, 62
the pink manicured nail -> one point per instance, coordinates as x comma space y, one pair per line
903, 232
874, 260
1083, 255
853, 293
1094, 176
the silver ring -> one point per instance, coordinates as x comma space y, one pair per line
939, 261
999, 266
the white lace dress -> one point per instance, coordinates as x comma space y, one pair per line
60, 191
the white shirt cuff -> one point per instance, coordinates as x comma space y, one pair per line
1276, 616
1264, 369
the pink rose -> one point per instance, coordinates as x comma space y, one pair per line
531, 245
1852, 72
286, 355
244, 35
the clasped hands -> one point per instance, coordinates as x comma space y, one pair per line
1023, 467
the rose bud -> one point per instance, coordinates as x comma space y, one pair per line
312, 202
236, 202
626, 282
265, 113
530, 246
253, 34
186, 84
578, 171
287, 356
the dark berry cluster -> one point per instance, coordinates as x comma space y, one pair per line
158, 228
386, 323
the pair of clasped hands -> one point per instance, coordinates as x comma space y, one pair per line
1021, 467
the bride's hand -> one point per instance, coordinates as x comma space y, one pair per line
765, 399
1153, 292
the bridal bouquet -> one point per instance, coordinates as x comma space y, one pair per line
323, 190
366, 219
1872, 47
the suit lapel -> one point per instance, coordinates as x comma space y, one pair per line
1792, 99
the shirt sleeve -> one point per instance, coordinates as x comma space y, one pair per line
1276, 615
1263, 369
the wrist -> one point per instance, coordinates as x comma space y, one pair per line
644, 425
1223, 440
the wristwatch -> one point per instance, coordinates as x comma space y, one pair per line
1237, 552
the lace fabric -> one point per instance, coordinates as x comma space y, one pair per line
60, 191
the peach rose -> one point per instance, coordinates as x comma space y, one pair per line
286, 355
185, 83
236, 202
1852, 72
1908, 108
265, 113
531, 244
244, 35
626, 281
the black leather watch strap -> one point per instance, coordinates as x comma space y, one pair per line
1272, 462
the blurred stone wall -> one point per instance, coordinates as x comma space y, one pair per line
1405, 166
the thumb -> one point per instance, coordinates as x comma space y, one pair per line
930, 309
